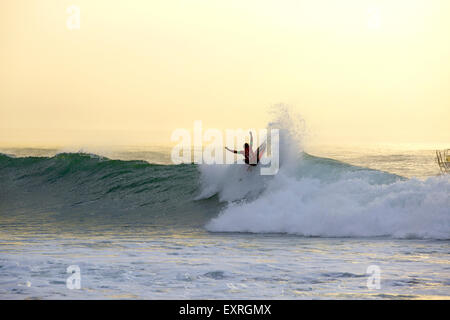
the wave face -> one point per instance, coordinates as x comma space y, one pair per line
77, 186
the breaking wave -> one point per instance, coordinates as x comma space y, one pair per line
310, 196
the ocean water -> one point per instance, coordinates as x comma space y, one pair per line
138, 227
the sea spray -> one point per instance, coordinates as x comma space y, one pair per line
313, 196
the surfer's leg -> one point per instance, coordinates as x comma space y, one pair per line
258, 156
254, 159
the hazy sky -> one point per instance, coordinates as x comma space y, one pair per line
357, 70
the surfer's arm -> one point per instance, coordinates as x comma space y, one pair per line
235, 151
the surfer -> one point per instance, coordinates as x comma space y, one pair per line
251, 158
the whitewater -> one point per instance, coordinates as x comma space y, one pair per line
313, 196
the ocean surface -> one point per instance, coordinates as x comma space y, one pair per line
140, 227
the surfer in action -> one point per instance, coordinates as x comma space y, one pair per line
251, 158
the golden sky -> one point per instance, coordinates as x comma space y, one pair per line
357, 70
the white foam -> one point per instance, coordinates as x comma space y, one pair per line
318, 197
346, 208
231, 182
